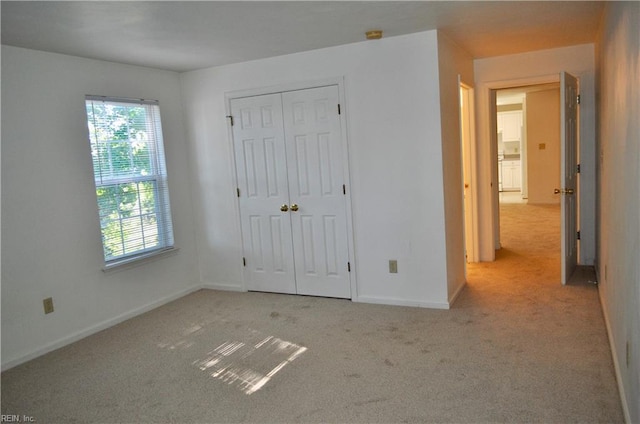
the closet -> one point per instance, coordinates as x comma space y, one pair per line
290, 168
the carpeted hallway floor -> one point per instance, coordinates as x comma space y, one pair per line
516, 347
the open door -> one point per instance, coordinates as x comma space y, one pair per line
466, 140
568, 174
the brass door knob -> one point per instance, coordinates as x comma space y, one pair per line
284, 208
563, 191
294, 207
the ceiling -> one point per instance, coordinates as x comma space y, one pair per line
183, 36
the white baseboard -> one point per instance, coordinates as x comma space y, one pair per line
223, 287
453, 298
96, 328
400, 302
616, 364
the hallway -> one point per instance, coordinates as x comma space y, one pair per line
557, 332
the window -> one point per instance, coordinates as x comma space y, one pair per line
130, 177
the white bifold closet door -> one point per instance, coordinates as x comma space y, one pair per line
289, 162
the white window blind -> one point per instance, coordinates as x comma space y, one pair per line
130, 177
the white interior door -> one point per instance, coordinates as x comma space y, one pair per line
568, 173
289, 162
466, 134
314, 157
261, 166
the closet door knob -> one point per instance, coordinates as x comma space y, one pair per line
284, 208
294, 207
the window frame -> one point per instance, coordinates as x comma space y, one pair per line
158, 178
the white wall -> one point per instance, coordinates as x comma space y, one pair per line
394, 139
50, 227
543, 127
619, 193
527, 68
453, 62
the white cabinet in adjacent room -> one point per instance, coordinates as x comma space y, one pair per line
510, 125
511, 175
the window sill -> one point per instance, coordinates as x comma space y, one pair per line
139, 260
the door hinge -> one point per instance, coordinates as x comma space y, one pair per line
344, 189
339, 109
349, 266
578, 99
238, 192
230, 119
578, 235
244, 261
578, 168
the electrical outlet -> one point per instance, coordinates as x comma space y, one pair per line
48, 305
393, 266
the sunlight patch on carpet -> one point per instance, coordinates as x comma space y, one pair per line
186, 340
249, 365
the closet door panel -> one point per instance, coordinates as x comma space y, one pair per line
259, 149
313, 139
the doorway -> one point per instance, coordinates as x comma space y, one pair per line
527, 145
290, 167
488, 194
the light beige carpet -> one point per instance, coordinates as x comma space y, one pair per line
516, 347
